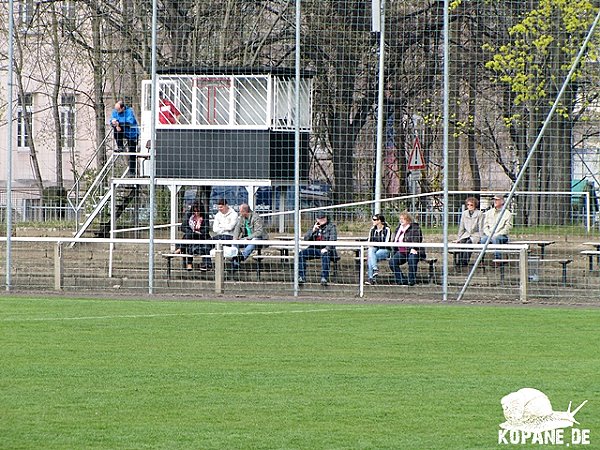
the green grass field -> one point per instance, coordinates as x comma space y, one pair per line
81, 373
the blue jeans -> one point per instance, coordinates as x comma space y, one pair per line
248, 249
314, 253
223, 237
373, 256
399, 259
499, 239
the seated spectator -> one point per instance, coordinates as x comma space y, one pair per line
224, 221
408, 231
380, 232
195, 227
167, 111
490, 217
249, 226
322, 230
469, 230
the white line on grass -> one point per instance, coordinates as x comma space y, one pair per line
144, 316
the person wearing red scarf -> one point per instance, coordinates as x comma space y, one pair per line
407, 232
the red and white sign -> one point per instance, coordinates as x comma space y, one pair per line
416, 160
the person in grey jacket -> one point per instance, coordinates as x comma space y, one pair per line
469, 230
249, 226
322, 230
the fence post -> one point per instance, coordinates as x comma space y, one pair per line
523, 274
219, 270
58, 266
361, 271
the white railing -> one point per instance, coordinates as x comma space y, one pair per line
357, 246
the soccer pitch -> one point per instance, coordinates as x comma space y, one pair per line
107, 374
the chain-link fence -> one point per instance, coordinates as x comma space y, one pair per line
123, 120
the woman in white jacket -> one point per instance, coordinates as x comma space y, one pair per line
469, 230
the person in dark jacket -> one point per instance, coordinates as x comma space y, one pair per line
380, 232
195, 227
408, 231
322, 230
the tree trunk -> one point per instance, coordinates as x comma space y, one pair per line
342, 142
35, 165
471, 140
98, 69
55, 98
454, 100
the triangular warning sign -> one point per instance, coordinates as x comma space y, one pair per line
416, 160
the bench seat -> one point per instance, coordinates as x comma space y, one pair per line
431, 269
286, 258
562, 261
169, 257
590, 254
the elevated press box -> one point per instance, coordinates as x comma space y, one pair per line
228, 123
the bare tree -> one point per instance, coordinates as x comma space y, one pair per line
22, 94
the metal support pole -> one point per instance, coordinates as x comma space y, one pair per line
361, 274
9, 143
588, 213
58, 266
380, 107
523, 274
297, 61
173, 190
446, 139
219, 270
111, 246
153, 111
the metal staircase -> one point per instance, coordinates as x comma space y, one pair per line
98, 194
123, 200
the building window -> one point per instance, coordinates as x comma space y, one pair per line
26, 11
67, 121
68, 15
213, 100
251, 101
24, 120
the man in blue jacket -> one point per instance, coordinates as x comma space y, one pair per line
126, 132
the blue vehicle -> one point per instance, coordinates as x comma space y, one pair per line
313, 195
267, 199
235, 196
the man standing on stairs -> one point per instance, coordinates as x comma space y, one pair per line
126, 132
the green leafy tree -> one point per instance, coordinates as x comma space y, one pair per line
532, 65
